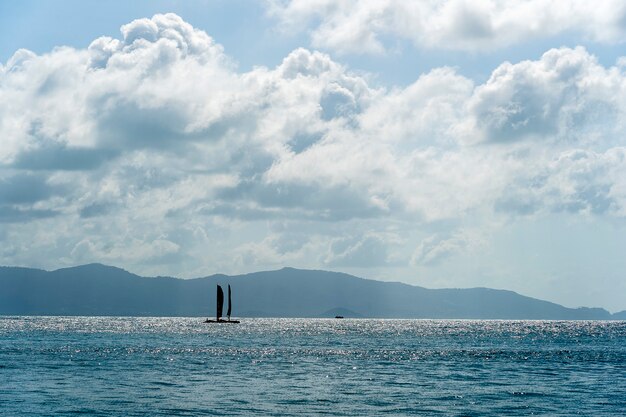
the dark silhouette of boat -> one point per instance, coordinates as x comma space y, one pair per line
338, 317
220, 305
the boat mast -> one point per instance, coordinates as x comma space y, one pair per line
230, 304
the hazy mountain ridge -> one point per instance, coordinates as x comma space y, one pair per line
97, 289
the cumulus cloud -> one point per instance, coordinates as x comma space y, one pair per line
154, 148
436, 248
356, 26
560, 96
367, 251
156, 251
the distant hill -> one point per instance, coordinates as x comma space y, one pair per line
620, 315
97, 289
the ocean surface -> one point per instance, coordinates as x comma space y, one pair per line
104, 366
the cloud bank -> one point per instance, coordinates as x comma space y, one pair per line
153, 151
371, 26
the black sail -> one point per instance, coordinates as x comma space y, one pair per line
230, 304
220, 302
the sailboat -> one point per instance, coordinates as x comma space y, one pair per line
220, 305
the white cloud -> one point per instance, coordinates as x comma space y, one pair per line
367, 251
575, 181
155, 148
356, 26
435, 248
563, 96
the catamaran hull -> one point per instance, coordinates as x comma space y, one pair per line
221, 321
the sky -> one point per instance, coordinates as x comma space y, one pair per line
438, 143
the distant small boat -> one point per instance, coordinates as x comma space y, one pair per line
220, 305
338, 317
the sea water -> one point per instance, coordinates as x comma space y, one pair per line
126, 366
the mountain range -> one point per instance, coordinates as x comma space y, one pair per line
97, 289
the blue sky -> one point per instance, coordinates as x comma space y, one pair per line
442, 144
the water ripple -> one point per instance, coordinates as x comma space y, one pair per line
109, 366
